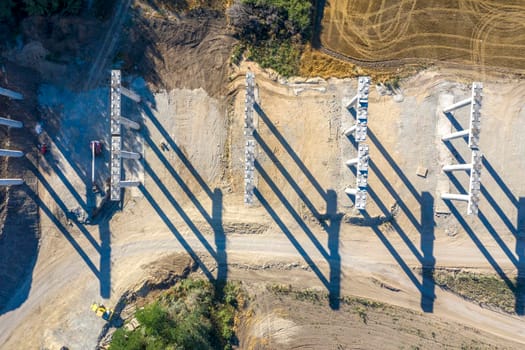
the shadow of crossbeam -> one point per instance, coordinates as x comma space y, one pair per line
103, 273
179, 210
169, 224
65, 232
332, 257
424, 225
214, 220
518, 261
176, 149
290, 151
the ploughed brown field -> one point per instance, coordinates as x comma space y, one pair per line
480, 32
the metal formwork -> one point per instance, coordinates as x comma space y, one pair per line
360, 132
475, 115
360, 192
363, 89
115, 100
116, 166
475, 183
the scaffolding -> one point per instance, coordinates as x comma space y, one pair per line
359, 129
360, 100
116, 123
250, 144
361, 162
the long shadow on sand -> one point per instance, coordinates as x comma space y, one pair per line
330, 221
484, 216
213, 219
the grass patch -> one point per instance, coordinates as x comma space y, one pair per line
281, 56
316, 297
490, 290
194, 314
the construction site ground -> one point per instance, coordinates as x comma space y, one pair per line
302, 231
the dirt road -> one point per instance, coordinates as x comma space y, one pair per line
191, 201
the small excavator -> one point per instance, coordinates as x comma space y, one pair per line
102, 311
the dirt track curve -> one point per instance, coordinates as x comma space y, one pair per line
389, 33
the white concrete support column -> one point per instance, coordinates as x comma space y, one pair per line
454, 167
11, 123
11, 182
352, 101
455, 135
130, 94
352, 161
11, 94
351, 191
350, 130
129, 183
129, 123
129, 155
455, 197
10, 153
457, 105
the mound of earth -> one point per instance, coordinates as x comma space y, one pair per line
190, 51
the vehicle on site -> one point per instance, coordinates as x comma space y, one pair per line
102, 311
96, 147
42, 148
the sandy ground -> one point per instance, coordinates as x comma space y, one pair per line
191, 201
303, 229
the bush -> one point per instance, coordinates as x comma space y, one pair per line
299, 12
189, 316
272, 31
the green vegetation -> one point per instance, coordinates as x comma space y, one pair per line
194, 314
297, 11
317, 297
284, 57
490, 290
272, 33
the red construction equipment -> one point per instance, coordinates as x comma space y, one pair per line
96, 147
42, 148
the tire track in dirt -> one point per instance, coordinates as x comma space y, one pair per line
108, 45
470, 32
